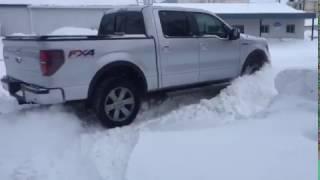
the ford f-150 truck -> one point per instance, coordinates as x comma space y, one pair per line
138, 49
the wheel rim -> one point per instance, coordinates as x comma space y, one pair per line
251, 69
119, 104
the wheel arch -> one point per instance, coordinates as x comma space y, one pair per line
258, 55
122, 69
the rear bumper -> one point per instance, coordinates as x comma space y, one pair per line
32, 94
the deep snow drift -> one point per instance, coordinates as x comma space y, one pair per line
260, 127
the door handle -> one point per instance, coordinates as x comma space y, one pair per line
204, 46
166, 48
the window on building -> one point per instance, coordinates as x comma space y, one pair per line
240, 27
265, 29
291, 28
175, 24
122, 23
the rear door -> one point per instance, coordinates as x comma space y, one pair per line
219, 56
179, 48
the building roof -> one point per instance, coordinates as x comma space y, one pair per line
67, 2
238, 8
246, 10
225, 10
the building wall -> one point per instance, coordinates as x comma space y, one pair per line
213, 1
44, 20
311, 6
252, 27
280, 32
53, 18
14, 19
306, 5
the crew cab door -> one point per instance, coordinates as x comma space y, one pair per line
179, 48
219, 56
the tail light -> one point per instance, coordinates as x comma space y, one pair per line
51, 61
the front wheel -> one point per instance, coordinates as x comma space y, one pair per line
254, 63
117, 102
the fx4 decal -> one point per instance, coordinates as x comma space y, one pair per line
78, 53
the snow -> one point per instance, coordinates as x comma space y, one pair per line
260, 127
308, 22
74, 31
246, 8
1, 49
70, 2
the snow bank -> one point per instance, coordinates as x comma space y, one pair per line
7, 103
279, 133
247, 96
293, 54
22, 34
50, 144
308, 34
297, 82
74, 31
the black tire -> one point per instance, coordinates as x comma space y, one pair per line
254, 63
104, 94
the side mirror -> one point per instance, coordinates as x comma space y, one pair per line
234, 34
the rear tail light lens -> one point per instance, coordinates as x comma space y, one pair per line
51, 61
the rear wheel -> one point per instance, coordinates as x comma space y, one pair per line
117, 102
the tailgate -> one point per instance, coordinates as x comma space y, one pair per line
22, 61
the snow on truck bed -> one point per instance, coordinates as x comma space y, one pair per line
260, 127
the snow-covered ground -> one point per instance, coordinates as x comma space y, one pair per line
261, 127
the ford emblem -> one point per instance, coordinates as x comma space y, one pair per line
18, 60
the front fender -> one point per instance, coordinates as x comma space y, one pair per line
247, 48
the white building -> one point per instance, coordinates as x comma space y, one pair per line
206, 1
270, 20
306, 5
267, 20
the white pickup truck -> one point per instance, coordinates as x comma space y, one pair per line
138, 49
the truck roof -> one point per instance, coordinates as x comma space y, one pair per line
156, 6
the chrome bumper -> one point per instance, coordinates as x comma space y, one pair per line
32, 94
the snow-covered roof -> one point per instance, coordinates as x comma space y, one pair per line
238, 8
68, 2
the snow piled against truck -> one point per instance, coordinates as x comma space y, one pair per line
260, 127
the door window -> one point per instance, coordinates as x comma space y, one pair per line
210, 25
175, 24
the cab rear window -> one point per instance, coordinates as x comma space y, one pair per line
122, 23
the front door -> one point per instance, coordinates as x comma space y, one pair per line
219, 56
179, 48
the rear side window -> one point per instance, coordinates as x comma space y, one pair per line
107, 25
175, 24
122, 23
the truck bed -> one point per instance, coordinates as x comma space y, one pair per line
78, 69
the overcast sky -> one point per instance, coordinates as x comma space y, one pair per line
265, 1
